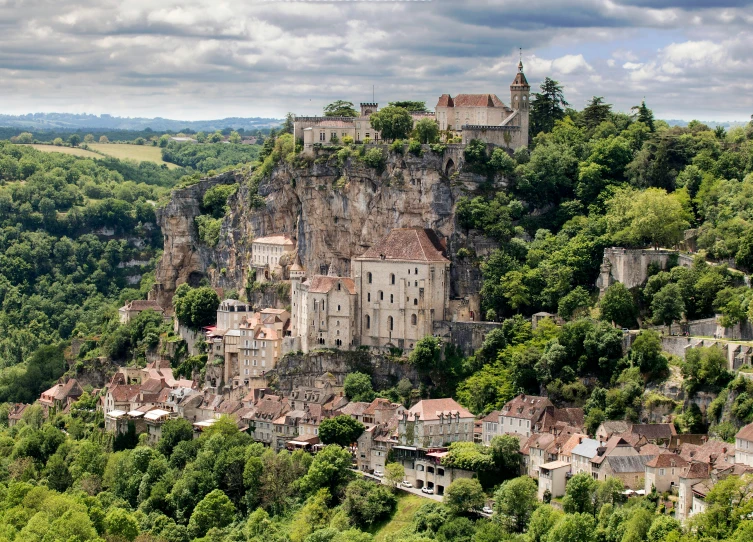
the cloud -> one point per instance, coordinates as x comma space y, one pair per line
208, 58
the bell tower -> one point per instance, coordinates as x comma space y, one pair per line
520, 93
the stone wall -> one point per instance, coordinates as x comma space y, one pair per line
467, 336
630, 266
298, 369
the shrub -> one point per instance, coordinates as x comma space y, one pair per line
414, 147
397, 146
374, 158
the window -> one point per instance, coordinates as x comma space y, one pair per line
391, 323
413, 319
415, 283
338, 307
368, 296
416, 270
368, 322
339, 287
415, 301
392, 278
368, 277
661, 472
392, 298
333, 136
322, 136
381, 295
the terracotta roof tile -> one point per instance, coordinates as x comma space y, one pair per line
667, 460
477, 100
430, 409
746, 433
408, 245
320, 284
445, 100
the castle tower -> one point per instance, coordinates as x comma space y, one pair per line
297, 276
520, 92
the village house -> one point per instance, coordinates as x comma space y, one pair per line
744, 446
132, 309
374, 445
315, 131
435, 423
552, 479
693, 473
663, 472
521, 414
611, 427
582, 455
260, 347
60, 396
16, 412
155, 419
231, 313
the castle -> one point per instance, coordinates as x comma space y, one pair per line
471, 116
399, 288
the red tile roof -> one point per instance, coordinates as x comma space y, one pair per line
335, 124
746, 433
473, 100
430, 409
445, 100
667, 460
407, 245
320, 284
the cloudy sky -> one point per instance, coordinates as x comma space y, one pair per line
196, 59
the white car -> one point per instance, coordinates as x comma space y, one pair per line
427, 490
406, 483
487, 510
378, 473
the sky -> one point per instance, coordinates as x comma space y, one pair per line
205, 59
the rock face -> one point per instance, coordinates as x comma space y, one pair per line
333, 211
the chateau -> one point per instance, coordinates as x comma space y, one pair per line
471, 116
399, 288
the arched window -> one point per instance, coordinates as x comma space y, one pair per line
415, 284
391, 323
392, 298
368, 296
368, 277
368, 322
416, 270
316, 305
338, 308
413, 319
392, 278
415, 301
339, 286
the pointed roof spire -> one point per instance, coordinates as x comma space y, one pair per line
520, 63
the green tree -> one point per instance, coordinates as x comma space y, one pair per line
342, 430
580, 494
214, 510
340, 108
427, 353
667, 305
216, 137
574, 303
366, 502
120, 523
88, 138
505, 451
103, 139
413, 107
574, 528
617, 306
174, 431
547, 107
164, 140
25, 137
235, 138
427, 131
649, 216
392, 122
330, 470
394, 473
74, 140
58, 476
197, 308
542, 520
643, 114
661, 527
357, 387
463, 496
596, 112
516, 500
646, 353
58, 142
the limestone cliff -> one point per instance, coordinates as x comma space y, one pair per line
334, 212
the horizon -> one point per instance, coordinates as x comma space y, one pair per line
200, 60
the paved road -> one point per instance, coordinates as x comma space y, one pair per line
413, 490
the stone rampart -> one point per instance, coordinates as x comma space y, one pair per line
467, 336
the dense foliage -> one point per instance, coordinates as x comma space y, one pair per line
209, 157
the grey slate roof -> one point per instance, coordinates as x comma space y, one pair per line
628, 463
587, 448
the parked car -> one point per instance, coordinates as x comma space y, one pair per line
427, 490
487, 510
378, 473
406, 483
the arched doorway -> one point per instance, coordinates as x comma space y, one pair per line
449, 169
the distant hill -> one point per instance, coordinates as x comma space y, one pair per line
710, 123
74, 122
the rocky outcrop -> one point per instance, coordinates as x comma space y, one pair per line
333, 210
308, 369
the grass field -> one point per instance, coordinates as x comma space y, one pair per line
407, 505
66, 150
140, 153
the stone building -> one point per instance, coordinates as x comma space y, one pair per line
435, 423
269, 255
324, 309
261, 337
744, 446
231, 313
328, 130
663, 472
136, 307
403, 285
486, 117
